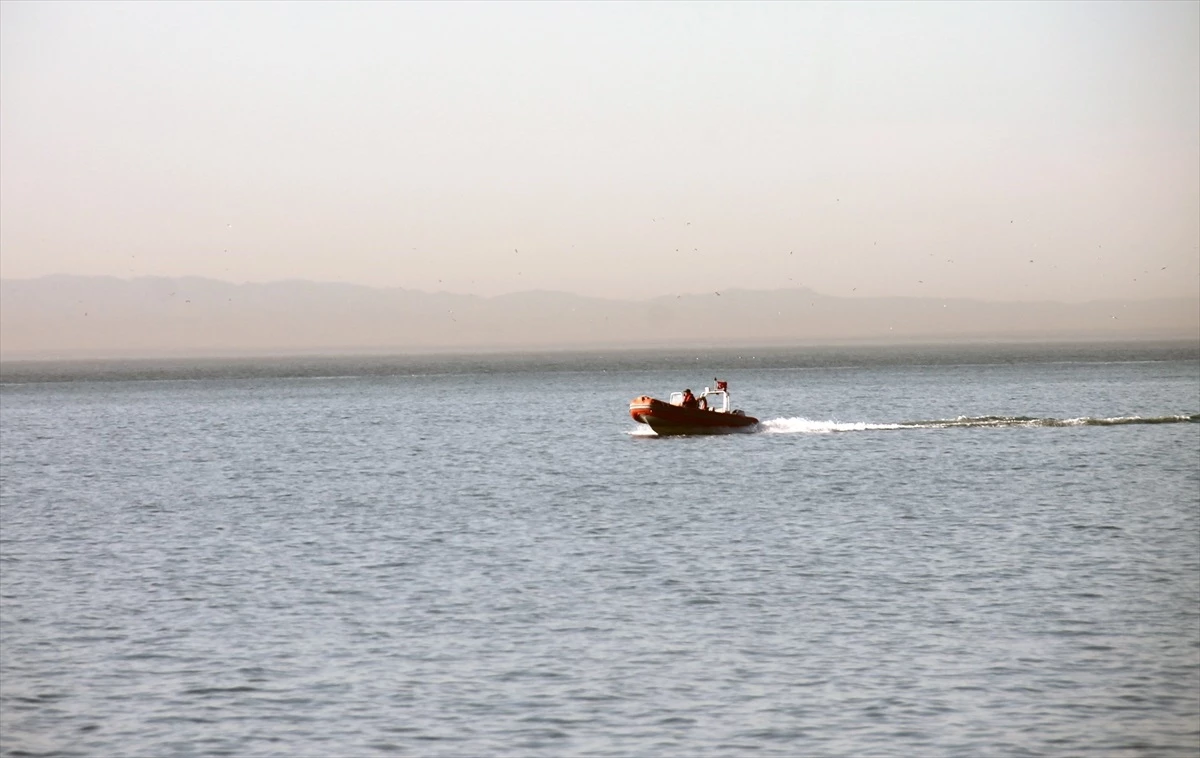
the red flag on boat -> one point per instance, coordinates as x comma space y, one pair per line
721, 385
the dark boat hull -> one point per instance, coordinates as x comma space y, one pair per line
666, 419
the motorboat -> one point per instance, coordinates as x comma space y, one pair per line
706, 413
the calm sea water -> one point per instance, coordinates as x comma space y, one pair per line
988, 551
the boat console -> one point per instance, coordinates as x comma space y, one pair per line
714, 400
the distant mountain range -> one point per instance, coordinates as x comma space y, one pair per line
69, 316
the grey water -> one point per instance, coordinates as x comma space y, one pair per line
920, 551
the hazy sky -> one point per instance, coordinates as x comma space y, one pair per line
1011, 150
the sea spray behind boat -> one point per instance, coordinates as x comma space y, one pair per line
809, 426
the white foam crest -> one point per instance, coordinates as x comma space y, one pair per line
1081, 421
801, 425
641, 431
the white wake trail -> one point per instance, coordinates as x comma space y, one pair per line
808, 426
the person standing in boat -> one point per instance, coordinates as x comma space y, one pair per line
689, 400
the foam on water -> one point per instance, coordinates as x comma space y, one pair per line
1032, 421
801, 425
641, 430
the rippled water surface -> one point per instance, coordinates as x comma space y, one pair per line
931, 553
